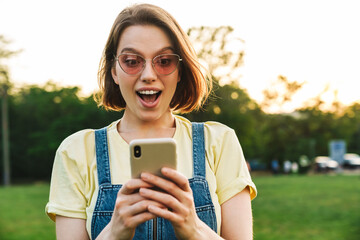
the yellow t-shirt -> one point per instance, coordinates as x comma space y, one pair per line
74, 183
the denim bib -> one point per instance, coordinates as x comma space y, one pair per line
158, 228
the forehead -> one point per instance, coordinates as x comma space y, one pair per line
144, 39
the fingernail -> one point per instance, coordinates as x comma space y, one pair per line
144, 190
145, 176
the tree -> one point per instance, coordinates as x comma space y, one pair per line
4, 88
44, 116
349, 124
221, 52
280, 135
279, 93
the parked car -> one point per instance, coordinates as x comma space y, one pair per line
324, 163
351, 160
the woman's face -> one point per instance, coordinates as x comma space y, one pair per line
147, 93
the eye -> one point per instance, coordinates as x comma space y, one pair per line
164, 60
131, 61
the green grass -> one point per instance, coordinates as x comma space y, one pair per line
288, 207
22, 213
307, 207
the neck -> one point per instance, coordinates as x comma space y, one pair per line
130, 128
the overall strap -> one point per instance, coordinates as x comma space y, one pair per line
102, 156
198, 149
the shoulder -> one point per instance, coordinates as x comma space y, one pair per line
209, 126
77, 139
82, 139
215, 132
79, 148
216, 128
219, 137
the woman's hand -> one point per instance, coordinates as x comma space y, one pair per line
131, 209
179, 204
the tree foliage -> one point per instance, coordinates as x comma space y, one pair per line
219, 50
40, 118
222, 52
267, 136
233, 106
279, 93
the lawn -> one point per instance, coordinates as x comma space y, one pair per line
287, 207
22, 213
307, 207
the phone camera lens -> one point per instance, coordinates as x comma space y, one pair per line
137, 151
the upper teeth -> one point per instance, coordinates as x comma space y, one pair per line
148, 92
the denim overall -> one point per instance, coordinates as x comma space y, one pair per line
158, 228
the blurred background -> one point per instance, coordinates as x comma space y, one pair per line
286, 77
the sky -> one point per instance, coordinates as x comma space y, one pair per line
311, 41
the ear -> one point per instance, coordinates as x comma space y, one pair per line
114, 76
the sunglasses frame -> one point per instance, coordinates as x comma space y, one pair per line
152, 62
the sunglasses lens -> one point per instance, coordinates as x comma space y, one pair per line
131, 63
166, 63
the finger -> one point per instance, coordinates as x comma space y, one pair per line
165, 199
124, 200
142, 206
138, 219
133, 185
126, 207
168, 185
176, 177
164, 213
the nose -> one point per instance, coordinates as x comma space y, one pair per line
148, 74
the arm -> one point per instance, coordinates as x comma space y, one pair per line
237, 217
71, 228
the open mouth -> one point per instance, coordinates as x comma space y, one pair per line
148, 95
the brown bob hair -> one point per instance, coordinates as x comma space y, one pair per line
194, 86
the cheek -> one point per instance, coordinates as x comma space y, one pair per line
126, 84
173, 85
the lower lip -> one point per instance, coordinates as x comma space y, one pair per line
148, 104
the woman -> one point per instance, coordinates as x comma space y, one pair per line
150, 70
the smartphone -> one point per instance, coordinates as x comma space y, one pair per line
151, 154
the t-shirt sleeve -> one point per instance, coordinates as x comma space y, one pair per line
67, 188
231, 171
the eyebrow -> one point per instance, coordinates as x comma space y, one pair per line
133, 50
